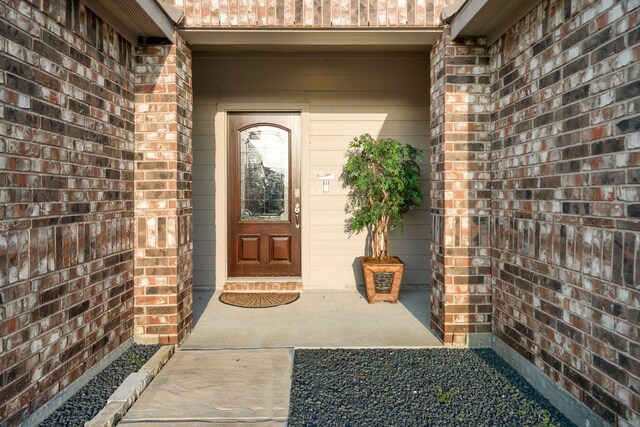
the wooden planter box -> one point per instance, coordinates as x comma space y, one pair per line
372, 267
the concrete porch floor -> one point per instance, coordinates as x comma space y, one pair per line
318, 319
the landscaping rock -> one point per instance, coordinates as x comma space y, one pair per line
92, 398
421, 387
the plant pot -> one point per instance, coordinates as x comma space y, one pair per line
388, 275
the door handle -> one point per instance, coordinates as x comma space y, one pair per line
296, 211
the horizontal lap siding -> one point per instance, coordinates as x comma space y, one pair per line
347, 94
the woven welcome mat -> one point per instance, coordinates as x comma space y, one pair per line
258, 299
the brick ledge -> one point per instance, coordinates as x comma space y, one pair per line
254, 286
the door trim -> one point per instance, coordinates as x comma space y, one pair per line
221, 164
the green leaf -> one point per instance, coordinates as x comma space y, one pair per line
384, 180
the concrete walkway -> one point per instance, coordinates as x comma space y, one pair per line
235, 368
218, 387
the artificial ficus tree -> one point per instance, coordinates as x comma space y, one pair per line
384, 180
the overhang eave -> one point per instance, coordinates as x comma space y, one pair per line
311, 39
489, 18
138, 18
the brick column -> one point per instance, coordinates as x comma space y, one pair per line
163, 208
460, 190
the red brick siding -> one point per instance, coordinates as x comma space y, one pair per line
164, 237
565, 201
460, 189
310, 13
66, 198
184, 68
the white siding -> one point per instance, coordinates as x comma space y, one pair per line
348, 94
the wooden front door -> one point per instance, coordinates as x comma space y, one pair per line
264, 195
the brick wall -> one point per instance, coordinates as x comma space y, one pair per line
566, 198
310, 13
184, 67
163, 209
460, 189
66, 198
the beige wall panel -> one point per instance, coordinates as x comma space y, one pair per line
353, 245
203, 189
203, 142
328, 202
347, 94
335, 187
336, 170
206, 203
339, 217
397, 129
204, 247
203, 217
204, 232
314, 66
205, 276
246, 81
331, 143
374, 96
247, 96
207, 110
202, 128
416, 276
333, 157
328, 158
204, 172
366, 112
338, 259
337, 232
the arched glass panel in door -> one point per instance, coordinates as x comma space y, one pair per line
264, 174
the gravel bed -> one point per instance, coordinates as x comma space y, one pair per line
91, 398
425, 387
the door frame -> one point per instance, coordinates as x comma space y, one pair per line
221, 148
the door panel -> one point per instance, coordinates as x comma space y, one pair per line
264, 195
280, 250
249, 249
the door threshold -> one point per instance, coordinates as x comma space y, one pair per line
263, 284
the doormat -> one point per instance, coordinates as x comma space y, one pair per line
258, 299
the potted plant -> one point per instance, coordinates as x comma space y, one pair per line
384, 180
